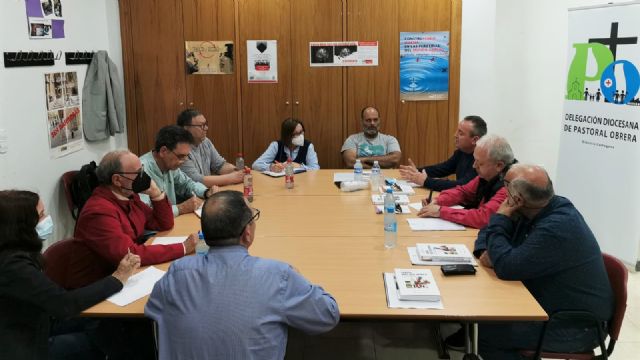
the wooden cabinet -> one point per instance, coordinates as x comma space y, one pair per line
244, 116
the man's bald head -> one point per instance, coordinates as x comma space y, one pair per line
532, 182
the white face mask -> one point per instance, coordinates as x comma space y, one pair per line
298, 140
45, 228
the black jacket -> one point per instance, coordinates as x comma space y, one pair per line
28, 299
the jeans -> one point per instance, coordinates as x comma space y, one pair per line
503, 341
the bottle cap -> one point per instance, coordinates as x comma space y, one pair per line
288, 160
247, 170
239, 154
389, 190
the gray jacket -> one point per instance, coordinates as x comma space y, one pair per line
103, 106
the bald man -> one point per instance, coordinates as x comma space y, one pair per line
542, 240
371, 145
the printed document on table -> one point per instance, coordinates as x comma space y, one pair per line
417, 206
137, 287
394, 303
433, 224
168, 240
415, 259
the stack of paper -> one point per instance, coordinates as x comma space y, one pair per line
415, 259
400, 199
168, 240
340, 177
453, 253
137, 287
398, 187
427, 224
412, 289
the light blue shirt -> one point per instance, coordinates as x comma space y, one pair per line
228, 304
173, 183
266, 159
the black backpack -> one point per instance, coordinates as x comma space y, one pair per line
82, 186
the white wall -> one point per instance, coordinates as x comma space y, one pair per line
89, 25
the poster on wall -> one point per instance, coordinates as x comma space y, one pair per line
209, 57
45, 19
424, 65
599, 127
64, 120
343, 53
262, 61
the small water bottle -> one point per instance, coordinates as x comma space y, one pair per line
357, 171
239, 162
390, 222
247, 180
201, 247
288, 174
375, 176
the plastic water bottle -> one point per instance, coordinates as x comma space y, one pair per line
248, 184
288, 174
201, 247
357, 170
375, 176
390, 222
239, 162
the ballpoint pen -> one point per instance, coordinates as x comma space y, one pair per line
430, 195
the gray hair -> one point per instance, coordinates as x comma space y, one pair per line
498, 148
532, 193
110, 165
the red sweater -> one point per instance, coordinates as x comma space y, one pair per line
465, 194
108, 228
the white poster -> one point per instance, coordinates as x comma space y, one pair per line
599, 154
343, 53
64, 115
262, 61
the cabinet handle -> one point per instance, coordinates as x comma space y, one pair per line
191, 104
402, 101
286, 102
297, 102
181, 103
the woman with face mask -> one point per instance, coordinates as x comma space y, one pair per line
292, 144
28, 299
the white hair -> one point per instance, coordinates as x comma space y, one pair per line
497, 147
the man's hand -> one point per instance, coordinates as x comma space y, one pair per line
153, 191
190, 244
510, 205
431, 210
235, 177
189, 205
485, 260
127, 267
410, 172
426, 202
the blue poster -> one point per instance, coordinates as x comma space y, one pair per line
424, 65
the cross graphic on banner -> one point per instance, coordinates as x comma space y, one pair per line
613, 40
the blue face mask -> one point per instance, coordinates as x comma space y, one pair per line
45, 228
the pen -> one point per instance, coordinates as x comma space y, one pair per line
430, 196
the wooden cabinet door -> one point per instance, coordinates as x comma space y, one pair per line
317, 92
264, 106
214, 95
370, 20
423, 126
153, 51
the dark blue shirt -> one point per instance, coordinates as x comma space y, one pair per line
460, 163
555, 255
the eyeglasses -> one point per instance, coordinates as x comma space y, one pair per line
180, 156
138, 173
204, 126
255, 217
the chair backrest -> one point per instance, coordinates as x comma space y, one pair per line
56, 261
618, 276
67, 179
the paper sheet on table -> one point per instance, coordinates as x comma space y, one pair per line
168, 240
417, 206
198, 211
404, 208
282, 173
349, 176
415, 259
432, 224
394, 303
137, 287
